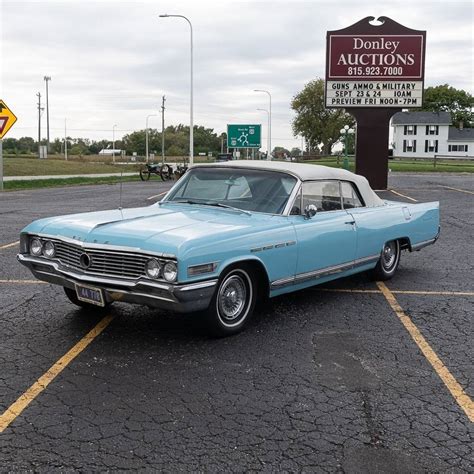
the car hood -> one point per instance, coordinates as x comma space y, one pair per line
167, 228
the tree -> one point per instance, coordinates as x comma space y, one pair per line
295, 151
448, 99
280, 152
318, 125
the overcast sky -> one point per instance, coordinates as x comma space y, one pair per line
111, 61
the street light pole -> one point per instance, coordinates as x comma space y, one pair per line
163, 130
191, 125
39, 123
269, 154
345, 132
268, 123
113, 143
47, 79
146, 136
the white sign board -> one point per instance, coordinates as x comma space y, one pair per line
374, 93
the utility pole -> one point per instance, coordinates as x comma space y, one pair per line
39, 124
163, 129
47, 79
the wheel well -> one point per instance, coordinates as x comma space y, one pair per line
262, 281
405, 243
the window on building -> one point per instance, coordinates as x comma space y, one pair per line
350, 197
463, 148
409, 130
323, 194
409, 146
432, 130
431, 146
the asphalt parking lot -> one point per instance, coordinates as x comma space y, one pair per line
354, 376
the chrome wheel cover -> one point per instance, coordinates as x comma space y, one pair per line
389, 255
232, 298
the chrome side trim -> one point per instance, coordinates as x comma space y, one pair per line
94, 245
423, 244
197, 286
302, 277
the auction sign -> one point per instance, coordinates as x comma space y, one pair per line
375, 70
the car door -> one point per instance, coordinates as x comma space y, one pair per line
327, 241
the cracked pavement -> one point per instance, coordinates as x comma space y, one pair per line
320, 381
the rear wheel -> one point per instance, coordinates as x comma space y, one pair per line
233, 302
388, 262
166, 172
72, 297
144, 174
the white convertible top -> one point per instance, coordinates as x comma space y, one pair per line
307, 172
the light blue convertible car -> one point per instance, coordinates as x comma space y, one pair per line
226, 236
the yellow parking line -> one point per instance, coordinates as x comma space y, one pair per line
14, 410
347, 290
26, 282
6, 246
457, 189
461, 397
440, 293
156, 195
403, 195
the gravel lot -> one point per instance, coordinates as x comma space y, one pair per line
322, 380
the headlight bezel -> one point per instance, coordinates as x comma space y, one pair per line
30, 247
159, 268
45, 250
174, 271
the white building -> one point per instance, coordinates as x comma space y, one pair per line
426, 134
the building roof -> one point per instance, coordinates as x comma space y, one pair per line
421, 118
306, 172
461, 135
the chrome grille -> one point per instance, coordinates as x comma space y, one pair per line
103, 262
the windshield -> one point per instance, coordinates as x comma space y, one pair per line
245, 189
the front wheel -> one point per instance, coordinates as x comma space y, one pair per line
388, 262
233, 302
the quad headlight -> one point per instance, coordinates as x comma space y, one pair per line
153, 268
170, 271
49, 249
36, 247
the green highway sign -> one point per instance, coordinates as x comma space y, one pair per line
244, 136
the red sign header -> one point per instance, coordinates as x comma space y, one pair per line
375, 57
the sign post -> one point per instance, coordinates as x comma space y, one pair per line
244, 136
373, 71
7, 119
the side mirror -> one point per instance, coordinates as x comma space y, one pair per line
310, 211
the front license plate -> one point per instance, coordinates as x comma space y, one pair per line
91, 295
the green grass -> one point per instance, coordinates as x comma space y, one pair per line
36, 167
51, 183
450, 166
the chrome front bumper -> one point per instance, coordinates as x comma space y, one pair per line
180, 298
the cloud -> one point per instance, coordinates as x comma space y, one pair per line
111, 61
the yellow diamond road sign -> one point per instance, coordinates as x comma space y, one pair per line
7, 119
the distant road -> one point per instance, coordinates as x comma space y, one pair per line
65, 176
